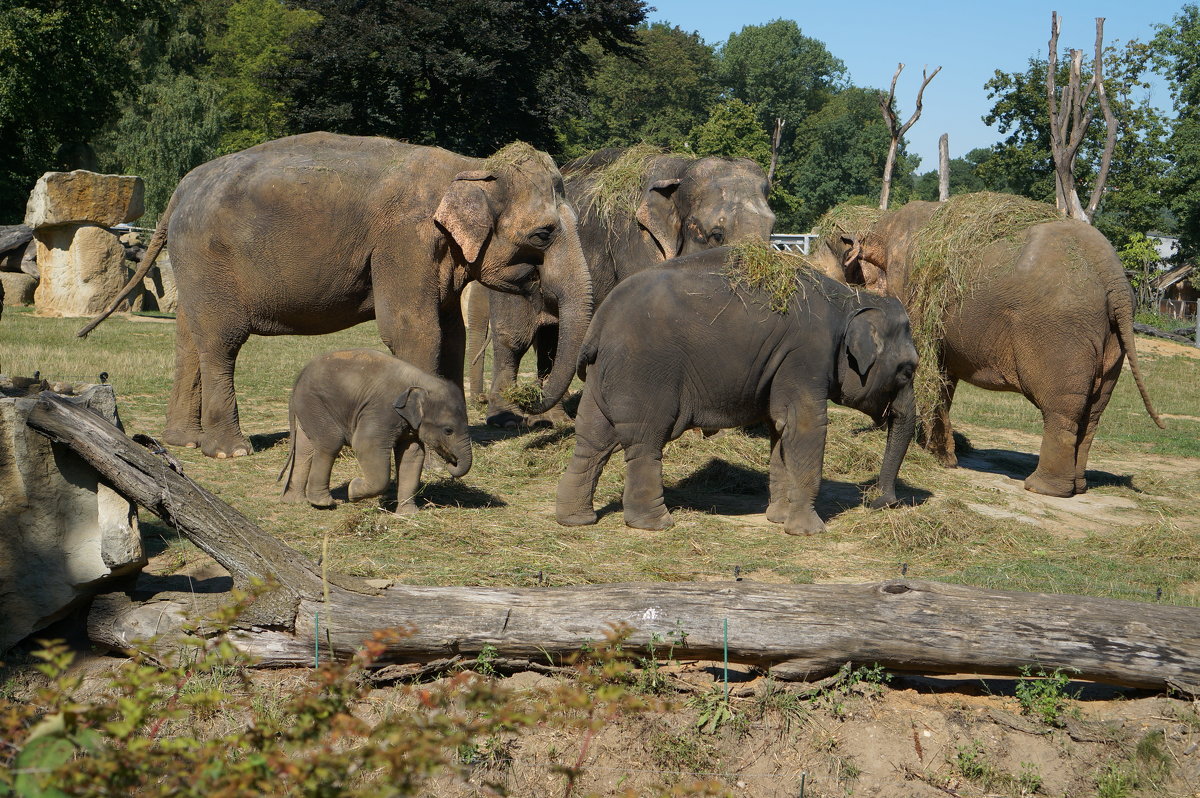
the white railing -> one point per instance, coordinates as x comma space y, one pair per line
793, 242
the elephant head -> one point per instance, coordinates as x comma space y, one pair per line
875, 373
877, 259
516, 233
439, 416
716, 202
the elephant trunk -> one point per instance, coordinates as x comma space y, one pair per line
902, 423
565, 277
461, 447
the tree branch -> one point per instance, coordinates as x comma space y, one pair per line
1110, 123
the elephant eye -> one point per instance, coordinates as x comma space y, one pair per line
542, 237
448, 430
717, 236
905, 373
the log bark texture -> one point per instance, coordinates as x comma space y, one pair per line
797, 630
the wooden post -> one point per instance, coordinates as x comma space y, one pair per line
944, 167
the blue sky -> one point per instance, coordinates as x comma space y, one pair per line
969, 39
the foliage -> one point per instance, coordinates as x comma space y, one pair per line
254, 41
1044, 695
1141, 262
712, 710
1176, 53
141, 736
61, 67
732, 131
779, 71
653, 93
468, 75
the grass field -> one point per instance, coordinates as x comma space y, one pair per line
496, 526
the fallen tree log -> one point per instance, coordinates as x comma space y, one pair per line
796, 630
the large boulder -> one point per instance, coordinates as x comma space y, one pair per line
75, 197
18, 288
64, 535
82, 269
14, 240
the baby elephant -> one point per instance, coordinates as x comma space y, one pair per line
675, 348
375, 403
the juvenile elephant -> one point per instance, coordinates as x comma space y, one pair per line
672, 349
1047, 314
374, 403
677, 206
315, 233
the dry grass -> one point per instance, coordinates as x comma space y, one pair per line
616, 189
527, 396
512, 156
757, 266
847, 219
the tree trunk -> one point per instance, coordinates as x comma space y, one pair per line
944, 167
797, 630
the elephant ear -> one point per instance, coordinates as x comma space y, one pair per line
863, 340
658, 215
466, 214
409, 405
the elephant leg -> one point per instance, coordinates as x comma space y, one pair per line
777, 503
410, 460
1063, 425
802, 453
453, 345
376, 464
595, 441
1100, 396
507, 351
478, 321
222, 436
183, 412
940, 438
316, 488
300, 466
643, 500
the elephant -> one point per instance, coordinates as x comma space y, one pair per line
1047, 314
375, 403
678, 348
679, 206
315, 233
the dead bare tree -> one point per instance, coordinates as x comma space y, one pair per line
1070, 118
897, 130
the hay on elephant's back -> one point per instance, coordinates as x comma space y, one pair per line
512, 156
760, 267
943, 261
847, 219
616, 188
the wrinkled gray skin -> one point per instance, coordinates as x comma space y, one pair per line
376, 404
687, 205
672, 349
1051, 320
315, 233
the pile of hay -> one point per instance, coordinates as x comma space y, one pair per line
616, 188
847, 219
512, 156
943, 261
779, 275
525, 396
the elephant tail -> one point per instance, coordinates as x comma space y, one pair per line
1120, 309
157, 242
587, 356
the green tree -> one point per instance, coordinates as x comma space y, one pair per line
61, 66
469, 75
838, 156
654, 93
780, 71
255, 41
732, 130
1176, 49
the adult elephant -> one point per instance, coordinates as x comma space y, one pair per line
637, 207
1045, 311
315, 233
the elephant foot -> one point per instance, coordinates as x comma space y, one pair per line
1049, 486
777, 512
803, 522
883, 502
292, 496
360, 489
189, 438
406, 508
650, 521
321, 501
580, 518
946, 459
225, 446
507, 419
